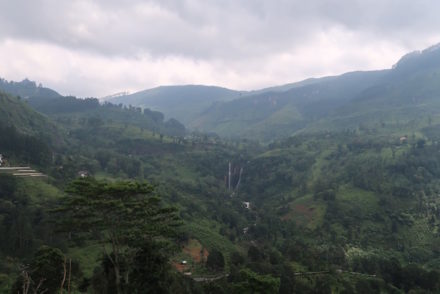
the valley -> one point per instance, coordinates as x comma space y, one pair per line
330, 185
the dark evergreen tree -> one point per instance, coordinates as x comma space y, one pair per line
123, 215
215, 261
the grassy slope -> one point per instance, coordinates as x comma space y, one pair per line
363, 220
180, 102
15, 112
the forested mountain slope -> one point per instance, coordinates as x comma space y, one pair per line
180, 102
27, 89
406, 98
338, 207
15, 112
52, 104
26, 135
276, 114
396, 96
93, 112
188, 174
187, 103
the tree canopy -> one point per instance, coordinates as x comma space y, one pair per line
123, 216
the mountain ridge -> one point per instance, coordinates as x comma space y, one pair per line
353, 195
279, 111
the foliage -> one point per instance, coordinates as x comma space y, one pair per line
353, 196
249, 282
23, 219
46, 273
124, 214
215, 261
181, 102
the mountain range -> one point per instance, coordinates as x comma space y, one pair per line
395, 96
345, 184
348, 101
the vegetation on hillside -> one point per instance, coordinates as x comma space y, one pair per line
134, 204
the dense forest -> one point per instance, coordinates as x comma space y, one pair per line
132, 202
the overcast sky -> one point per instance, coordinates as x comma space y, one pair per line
96, 48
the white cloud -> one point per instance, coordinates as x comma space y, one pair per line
94, 48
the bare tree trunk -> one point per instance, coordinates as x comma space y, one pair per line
64, 276
118, 279
116, 267
70, 275
26, 282
126, 278
39, 286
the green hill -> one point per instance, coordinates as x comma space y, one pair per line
278, 114
180, 102
407, 93
91, 110
188, 103
406, 98
345, 201
50, 103
26, 135
27, 89
15, 112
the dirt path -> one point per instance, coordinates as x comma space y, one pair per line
210, 279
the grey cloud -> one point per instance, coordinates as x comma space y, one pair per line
207, 28
215, 41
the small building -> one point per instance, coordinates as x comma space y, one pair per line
403, 139
1, 159
183, 262
246, 205
83, 174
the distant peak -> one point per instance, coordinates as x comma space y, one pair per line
119, 94
407, 57
428, 56
432, 48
